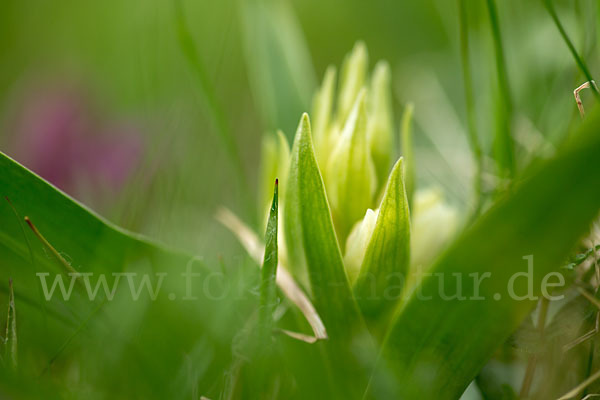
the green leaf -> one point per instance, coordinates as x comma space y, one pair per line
268, 287
437, 345
93, 245
385, 265
351, 180
310, 236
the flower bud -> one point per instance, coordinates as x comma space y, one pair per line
434, 222
380, 130
352, 79
351, 179
322, 111
356, 245
275, 160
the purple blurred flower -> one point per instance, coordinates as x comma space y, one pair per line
59, 135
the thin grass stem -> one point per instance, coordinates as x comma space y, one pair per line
470, 100
578, 59
504, 146
216, 113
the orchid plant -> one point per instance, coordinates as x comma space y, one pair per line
357, 244
348, 149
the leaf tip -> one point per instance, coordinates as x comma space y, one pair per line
398, 165
304, 130
305, 120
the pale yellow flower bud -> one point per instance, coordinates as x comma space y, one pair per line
356, 245
434, 222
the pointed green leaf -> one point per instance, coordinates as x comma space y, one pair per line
268, 288
94, 245
385, 265
351, 179
381, 123
310, 236
440, 341
407, 151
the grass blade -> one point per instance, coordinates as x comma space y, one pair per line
186, 42
68, 268
310, 236
387, 257
11, 328
249, 240
280, 71
439, 341
268, 289
26, 238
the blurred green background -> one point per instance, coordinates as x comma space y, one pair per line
262, 61
163, 104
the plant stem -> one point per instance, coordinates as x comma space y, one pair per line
217, 115
470, 101
503, 142
582, 66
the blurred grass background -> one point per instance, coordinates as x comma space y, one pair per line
263, 60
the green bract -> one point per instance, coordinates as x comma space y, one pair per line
350, 174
